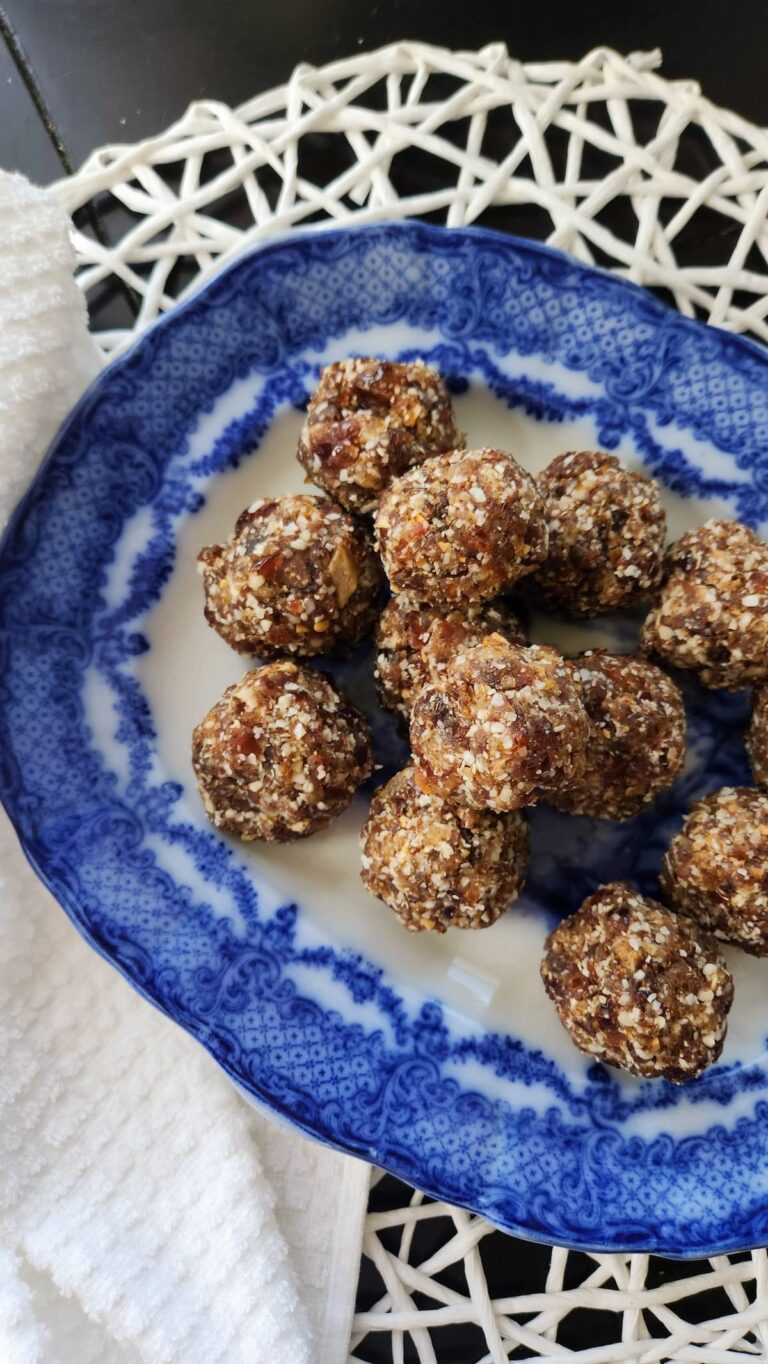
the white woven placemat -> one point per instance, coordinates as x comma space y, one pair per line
609, 161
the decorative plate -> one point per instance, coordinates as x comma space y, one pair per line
438, 1058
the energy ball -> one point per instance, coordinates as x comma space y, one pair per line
606, 536
280, 755
711, 613
637, 986
441, 866
461, 528
370, 420
757, 737
299, 576
636, 745
416, 641
503, 727
716, 868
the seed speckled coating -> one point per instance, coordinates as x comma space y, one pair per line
710, 614
460, 528
280, 755
757, 737
439, 865
637, 986
504, 727
414, 642
716, 867
298, 576
606, 536
636, 746
370, 420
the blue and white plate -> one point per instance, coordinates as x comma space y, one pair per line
438, 1058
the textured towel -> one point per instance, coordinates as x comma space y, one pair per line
147, 1214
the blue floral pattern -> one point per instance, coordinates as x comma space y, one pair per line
572, 1168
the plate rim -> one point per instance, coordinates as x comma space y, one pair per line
68, 902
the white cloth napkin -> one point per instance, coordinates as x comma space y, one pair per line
148, 1215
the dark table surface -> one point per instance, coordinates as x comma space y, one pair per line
77, 73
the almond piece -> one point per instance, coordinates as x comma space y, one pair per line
344, 574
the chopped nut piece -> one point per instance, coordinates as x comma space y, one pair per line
344, 574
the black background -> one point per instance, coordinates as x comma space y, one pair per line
77, 73
118, 70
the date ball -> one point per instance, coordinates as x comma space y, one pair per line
503, 727
414, 642
299, 576
757, 737
441, 866
461, 528
370, 420
716, 868
639, 987
636, 745
280, 755
606, 536
711, 612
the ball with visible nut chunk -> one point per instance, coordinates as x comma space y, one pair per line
716, 867
299, 576
370, 420
280, 755
503, 727
636, 746
639, 987
711, 612
757, 737
414, 642
606, 536
440, 865
461, 528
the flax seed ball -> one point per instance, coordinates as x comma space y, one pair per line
606, 536
716, 867
370, 420
503, 727
711, 612
757, 737
441, 866
280, 755
461, 528
415, 641
299, 576
637, 986
636, 745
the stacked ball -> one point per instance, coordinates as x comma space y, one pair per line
444, 844
282, 753
496, 724
639, 985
